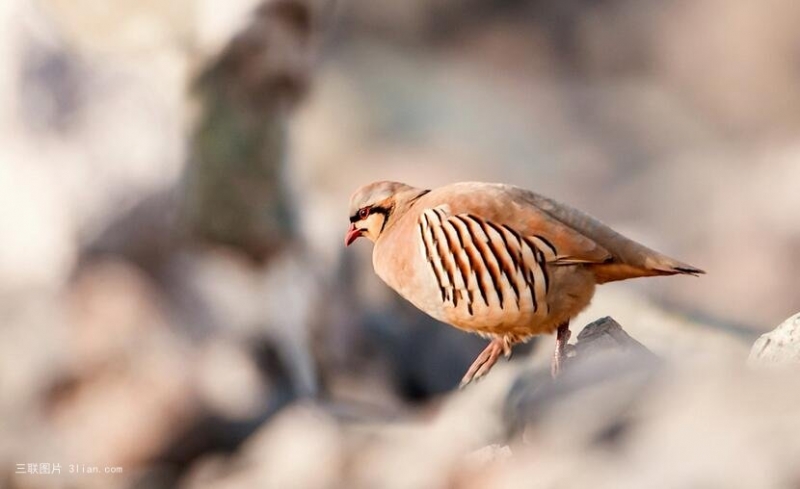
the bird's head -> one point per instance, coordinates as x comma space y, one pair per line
373, 207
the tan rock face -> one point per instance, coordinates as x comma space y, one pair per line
779, 347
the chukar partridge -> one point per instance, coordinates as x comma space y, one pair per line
495, 259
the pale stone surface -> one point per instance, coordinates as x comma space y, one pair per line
781, 346
488, 454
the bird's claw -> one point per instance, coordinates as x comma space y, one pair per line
486, 360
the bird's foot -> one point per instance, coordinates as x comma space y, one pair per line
562, 348
486, 360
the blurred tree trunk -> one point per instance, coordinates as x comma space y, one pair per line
234, 191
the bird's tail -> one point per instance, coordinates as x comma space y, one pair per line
642, 262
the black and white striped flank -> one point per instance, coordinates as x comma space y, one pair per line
475, 261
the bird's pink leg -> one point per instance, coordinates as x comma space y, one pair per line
487, 359
560, 354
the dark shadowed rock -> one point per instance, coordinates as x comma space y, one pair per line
604, 359
606, 336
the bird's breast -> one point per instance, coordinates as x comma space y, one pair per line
478, 277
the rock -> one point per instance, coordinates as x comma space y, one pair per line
606, 336
781, 346
688, 425
604, 359
302, 447
669, 335
490, 453
619, 416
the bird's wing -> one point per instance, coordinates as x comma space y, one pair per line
576, 236
475, 258
500, 207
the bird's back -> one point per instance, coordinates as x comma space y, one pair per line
575, 234
629, 259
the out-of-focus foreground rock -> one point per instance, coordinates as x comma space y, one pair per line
620, 416
177, 307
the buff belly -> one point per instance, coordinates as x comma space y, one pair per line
570, 291
530, 295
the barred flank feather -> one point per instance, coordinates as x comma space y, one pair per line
477, 262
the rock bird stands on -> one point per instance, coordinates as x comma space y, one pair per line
494, 259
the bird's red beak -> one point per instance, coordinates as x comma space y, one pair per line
352, 234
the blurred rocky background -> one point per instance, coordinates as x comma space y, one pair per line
178, 310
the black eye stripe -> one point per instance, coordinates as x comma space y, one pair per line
372, 210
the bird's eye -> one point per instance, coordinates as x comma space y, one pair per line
363, 213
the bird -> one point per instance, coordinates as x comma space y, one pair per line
495, 259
